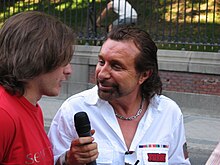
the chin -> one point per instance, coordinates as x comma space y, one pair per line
54, 93
104, 95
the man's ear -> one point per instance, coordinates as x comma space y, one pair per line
145, 75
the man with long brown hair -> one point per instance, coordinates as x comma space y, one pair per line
35, 54
133, 122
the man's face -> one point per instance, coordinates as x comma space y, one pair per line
49, 84
115, 72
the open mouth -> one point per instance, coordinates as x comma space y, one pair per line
105, 88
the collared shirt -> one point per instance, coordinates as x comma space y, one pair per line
159, 138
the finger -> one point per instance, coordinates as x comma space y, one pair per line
82, 141
89, 147
83, 154
87, 157
82, 160
92, 131
88, 153
90, 159
80, 148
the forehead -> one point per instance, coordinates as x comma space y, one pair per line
125, 49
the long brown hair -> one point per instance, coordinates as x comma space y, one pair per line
32, 43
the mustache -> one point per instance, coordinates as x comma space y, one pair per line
106, 83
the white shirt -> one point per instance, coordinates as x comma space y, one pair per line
124, 9
160, 135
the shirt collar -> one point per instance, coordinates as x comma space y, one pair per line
93, 99
155, 102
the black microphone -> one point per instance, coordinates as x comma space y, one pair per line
83, 128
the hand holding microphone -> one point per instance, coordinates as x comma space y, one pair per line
82, 150
83, 128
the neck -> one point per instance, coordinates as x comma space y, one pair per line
134, 116
32, 92
31, 97
129, 109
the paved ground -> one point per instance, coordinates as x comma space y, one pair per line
202, 134
202, 131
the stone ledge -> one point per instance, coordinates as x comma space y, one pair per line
191, 103
189, 61
173, 60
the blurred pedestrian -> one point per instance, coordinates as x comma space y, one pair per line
126, 13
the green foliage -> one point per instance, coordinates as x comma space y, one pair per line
191, 25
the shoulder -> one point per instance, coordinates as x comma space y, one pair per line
164, 100
9, 112
89, 96
7, 119
169, 112
80, 101
8, 127
8, 105
167, 106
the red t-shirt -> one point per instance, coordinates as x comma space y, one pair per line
23, 139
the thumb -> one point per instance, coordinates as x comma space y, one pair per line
92, 131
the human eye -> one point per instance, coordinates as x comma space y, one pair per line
101, 62
117, 67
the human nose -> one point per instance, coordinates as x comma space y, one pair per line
104, 72
68, 69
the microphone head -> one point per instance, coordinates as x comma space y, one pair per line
82, 124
